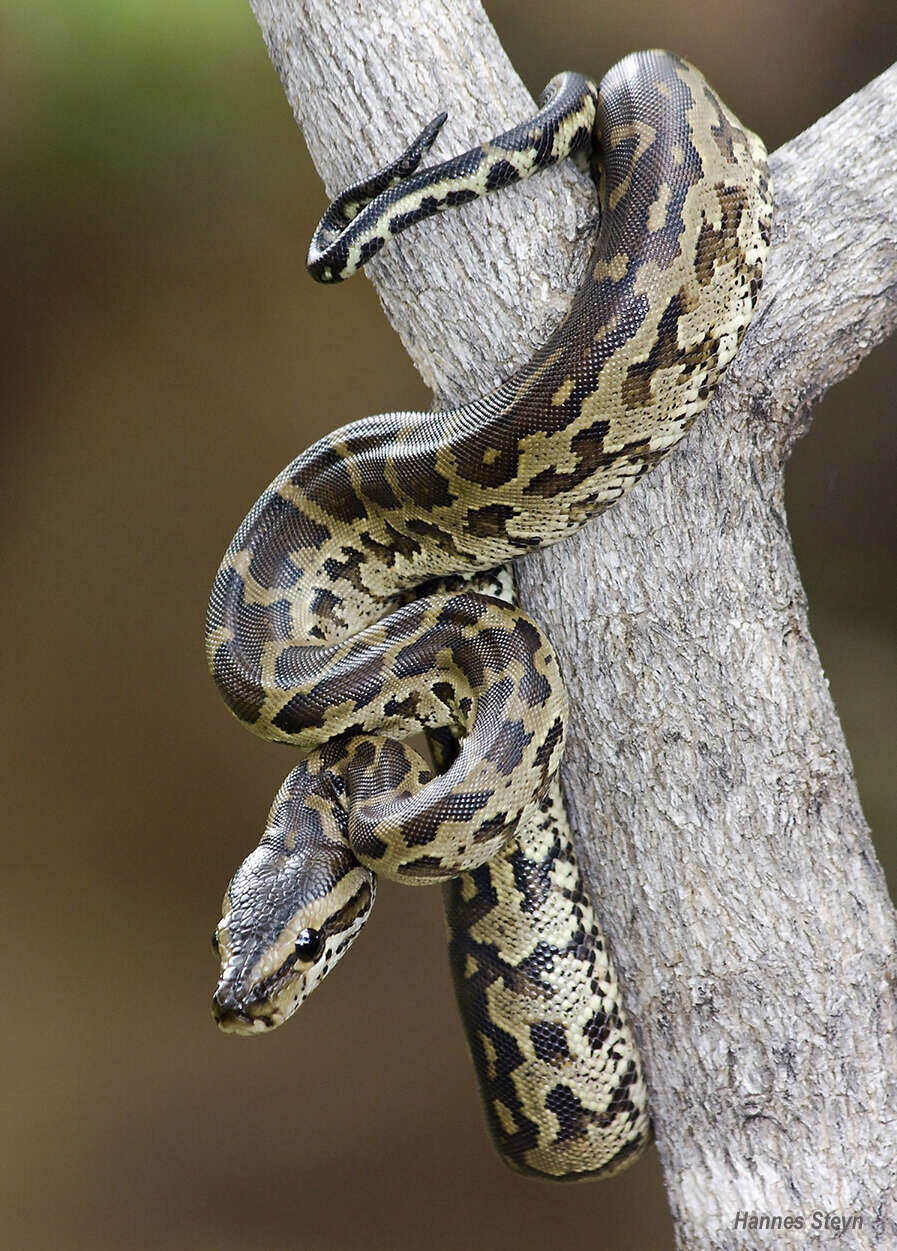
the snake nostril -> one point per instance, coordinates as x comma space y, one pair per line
227, 1009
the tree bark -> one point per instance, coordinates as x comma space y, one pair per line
717, 816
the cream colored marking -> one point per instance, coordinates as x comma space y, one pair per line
217, 638
222, 933
253, 591
562, 394
645, 135
607, 329
490, 1055
657, 213
615, 269
506, 1116
522, 160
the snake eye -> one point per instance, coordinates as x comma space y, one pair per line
309, 944
215, 941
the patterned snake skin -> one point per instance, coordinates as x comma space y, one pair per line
363, 600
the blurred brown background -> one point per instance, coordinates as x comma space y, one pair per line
166, 355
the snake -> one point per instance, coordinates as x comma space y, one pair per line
368, 596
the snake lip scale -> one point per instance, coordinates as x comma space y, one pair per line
367, 596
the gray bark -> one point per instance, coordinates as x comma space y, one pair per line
717, 816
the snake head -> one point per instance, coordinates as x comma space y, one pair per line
292, 909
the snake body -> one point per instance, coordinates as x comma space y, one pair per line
359, 603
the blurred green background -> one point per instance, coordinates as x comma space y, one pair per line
165, 356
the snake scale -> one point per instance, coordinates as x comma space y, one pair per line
364, 599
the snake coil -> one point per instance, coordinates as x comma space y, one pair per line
364, 598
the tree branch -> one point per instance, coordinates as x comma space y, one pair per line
718, 819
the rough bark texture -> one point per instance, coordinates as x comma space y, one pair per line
718, 819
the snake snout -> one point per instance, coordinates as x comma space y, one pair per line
230, 1011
